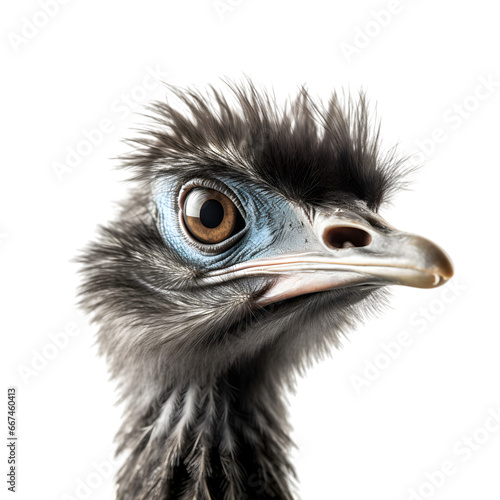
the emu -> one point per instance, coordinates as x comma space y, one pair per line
250, 243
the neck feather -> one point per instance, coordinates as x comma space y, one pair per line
221, 439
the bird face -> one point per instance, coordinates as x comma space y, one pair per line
232, 230
249, 226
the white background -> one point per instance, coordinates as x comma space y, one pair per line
420, 64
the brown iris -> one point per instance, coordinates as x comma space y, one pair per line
209, 215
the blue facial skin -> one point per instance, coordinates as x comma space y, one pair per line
272, 227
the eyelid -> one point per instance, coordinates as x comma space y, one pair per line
210, 184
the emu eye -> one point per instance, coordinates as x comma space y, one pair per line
210, 216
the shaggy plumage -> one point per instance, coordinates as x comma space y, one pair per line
201, 364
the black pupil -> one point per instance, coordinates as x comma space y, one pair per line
211, 213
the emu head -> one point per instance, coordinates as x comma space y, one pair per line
250, 229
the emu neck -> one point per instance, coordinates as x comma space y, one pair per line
226, 439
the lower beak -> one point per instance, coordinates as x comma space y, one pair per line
351, 253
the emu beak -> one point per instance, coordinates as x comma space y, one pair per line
384, 256
349, 251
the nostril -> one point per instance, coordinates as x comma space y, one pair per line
346, 237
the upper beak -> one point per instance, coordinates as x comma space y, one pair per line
349, 251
